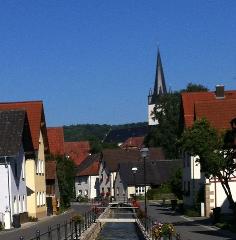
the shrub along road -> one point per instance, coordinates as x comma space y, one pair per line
189, 228
28, 230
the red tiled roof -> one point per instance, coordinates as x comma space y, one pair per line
50, 169
219, 111
56, 140
91, 170
133, 142
90, 166
36, 118
77, 151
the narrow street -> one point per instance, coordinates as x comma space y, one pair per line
28, 230
189, 229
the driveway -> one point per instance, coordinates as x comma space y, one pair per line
189, 228
28, 230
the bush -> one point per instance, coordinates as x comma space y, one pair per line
1, 226
82, 199
77, 218
192, 212
33, 219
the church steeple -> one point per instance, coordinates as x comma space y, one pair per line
160, 84
159, 89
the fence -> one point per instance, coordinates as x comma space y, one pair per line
71, 229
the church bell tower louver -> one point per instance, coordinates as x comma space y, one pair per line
159, 89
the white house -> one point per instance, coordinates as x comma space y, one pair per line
87, 177
15, 146
219, 108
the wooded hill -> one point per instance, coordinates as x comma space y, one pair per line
94, 132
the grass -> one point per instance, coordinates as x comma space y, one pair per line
227, 222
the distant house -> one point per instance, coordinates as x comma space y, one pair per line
127, 183
133, 143
16, 149
87, 177
56, 146
111, 160
77, 151
35, 167
119, 136
219, 108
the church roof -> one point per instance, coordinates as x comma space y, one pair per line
160, 84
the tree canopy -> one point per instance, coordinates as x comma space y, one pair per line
214, 151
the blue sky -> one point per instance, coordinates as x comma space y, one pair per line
93, 61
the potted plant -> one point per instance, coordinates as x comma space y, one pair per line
163, 231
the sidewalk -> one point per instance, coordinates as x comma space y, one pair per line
199, 228
28, 230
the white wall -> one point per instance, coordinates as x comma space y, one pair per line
14, 190
87, 185
218, 197
150, 115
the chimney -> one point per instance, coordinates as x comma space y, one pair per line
220, 91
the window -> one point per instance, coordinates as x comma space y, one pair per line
23, 169
42, 167
80, 192
20, 205
15, 205
23, 204
117, 191
86, 192
38, 199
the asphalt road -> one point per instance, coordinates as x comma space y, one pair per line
189, 229
28, 230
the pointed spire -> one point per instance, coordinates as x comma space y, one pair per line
160, 85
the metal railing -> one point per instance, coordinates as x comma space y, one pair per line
70, 229
150, 223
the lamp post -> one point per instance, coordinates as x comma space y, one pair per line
134, 170
144, 154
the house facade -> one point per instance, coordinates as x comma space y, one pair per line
219, 108
87, 178
112, 159
56, 146
15, 149
129, 183
34, 167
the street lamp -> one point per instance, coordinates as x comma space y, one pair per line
134, 170
144, 154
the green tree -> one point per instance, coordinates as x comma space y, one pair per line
166, 133
176, 183
214, 151
192, 87
66, 180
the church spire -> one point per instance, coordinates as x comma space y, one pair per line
160, 85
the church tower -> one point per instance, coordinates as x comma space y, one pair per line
159, 89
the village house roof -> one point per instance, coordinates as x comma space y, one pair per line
133, 142
90, 166
113, 157
218, 111
56, 140
157, 172
36, 119
121, 135
14, 130
77, 151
